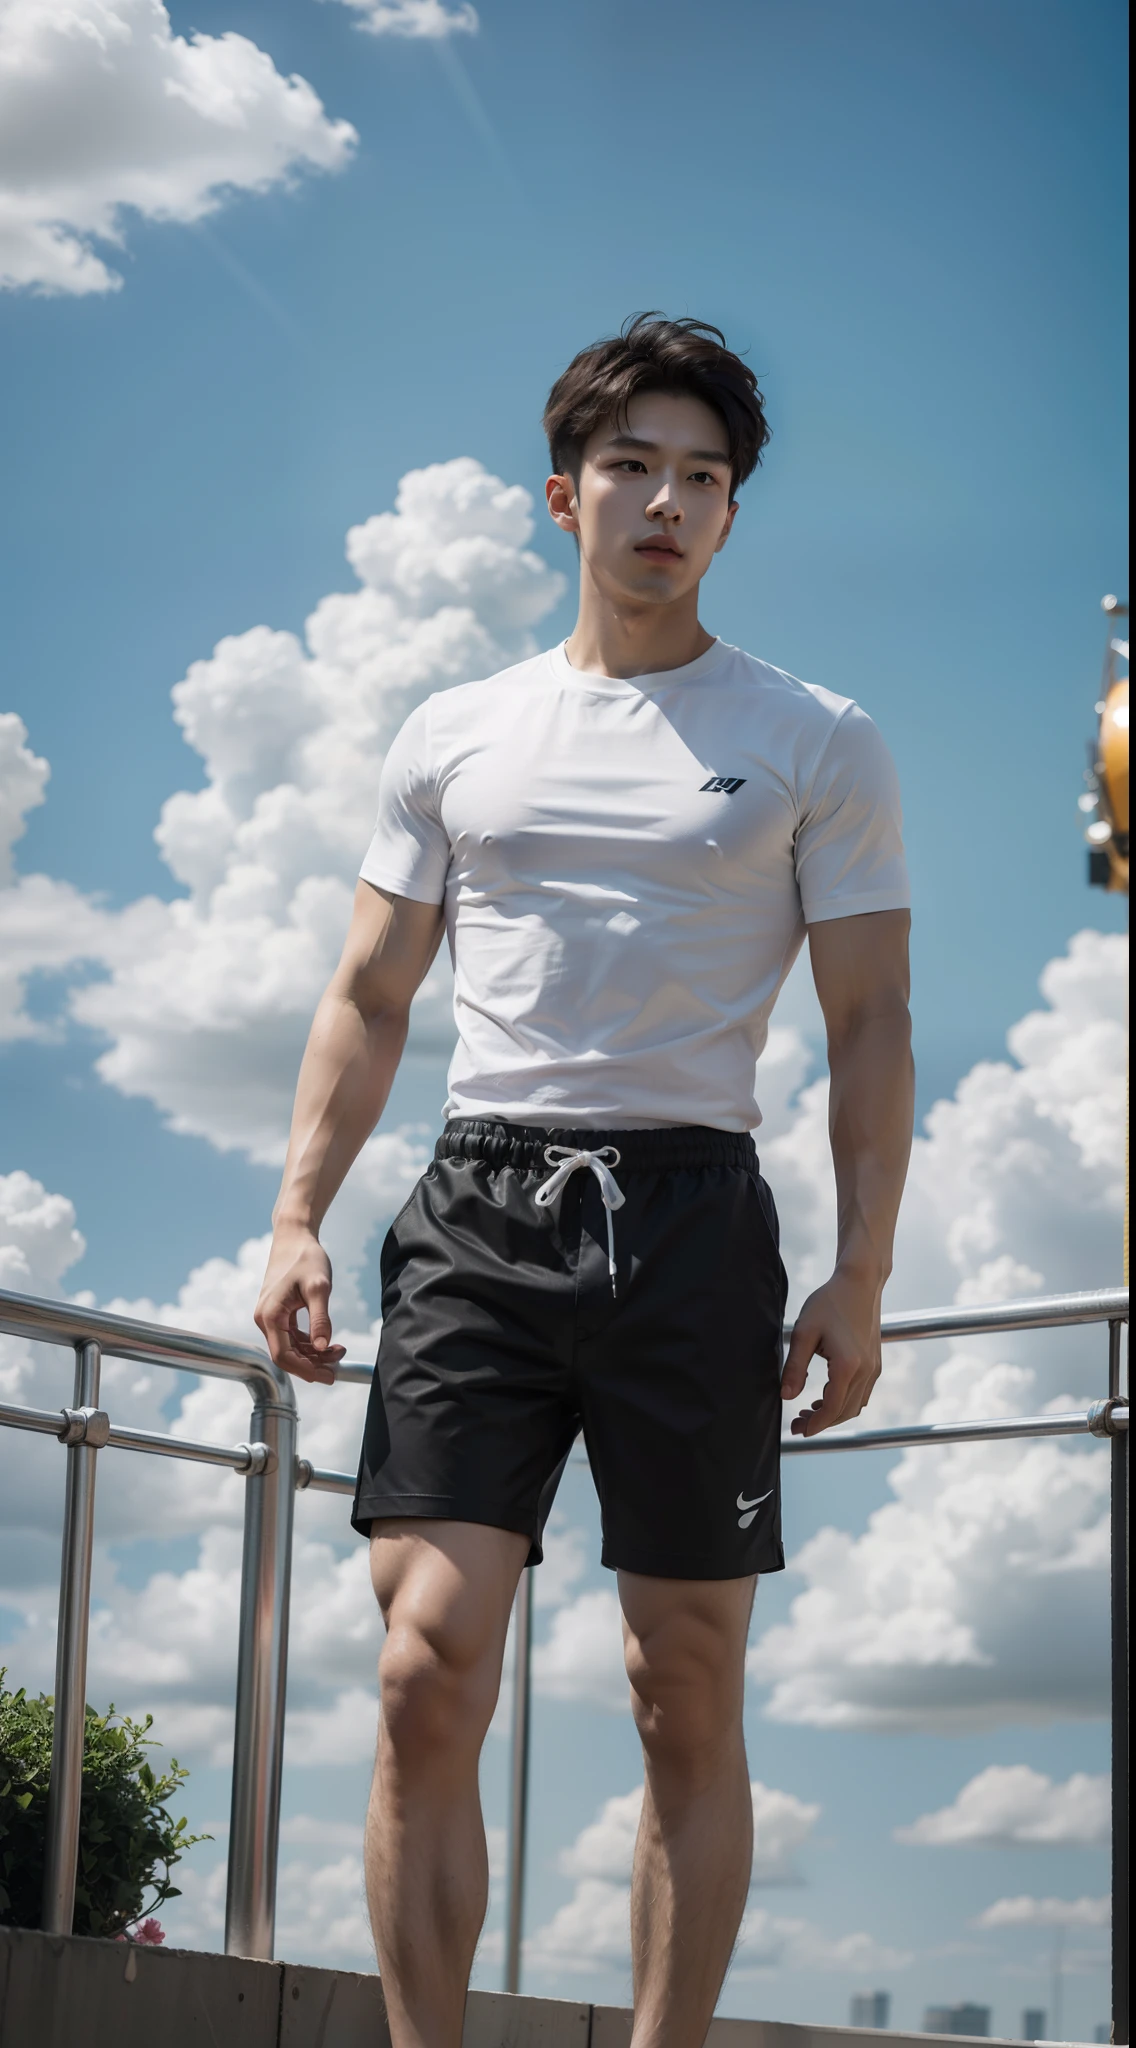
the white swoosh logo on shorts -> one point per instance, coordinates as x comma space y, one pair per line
750, 1507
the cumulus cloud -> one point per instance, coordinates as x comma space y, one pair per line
979, 1593
593, 1926
1010, 1805
47, 925
207, 1000
582, 1657
1028, 1912
23, 778
417, 19
768, 1940
781, 1823
104, 111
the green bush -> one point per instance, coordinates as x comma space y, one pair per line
128, 1841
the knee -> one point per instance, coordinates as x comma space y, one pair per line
686, 1689
436, 1694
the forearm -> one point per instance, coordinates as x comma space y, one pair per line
871, 1110
345, 1079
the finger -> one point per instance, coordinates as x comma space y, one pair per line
802, 1351
289, 1347
294, 1361
829, 1410
317, 1295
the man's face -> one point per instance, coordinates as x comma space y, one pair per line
652, 506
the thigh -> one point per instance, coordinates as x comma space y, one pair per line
681, 1390
452, 1583
684, 1643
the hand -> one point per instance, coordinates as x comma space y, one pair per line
841, 1322
298, 1277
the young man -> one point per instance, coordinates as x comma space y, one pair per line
624, 840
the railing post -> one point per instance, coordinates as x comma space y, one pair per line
1120, 1737
61, 1846
519, 1786
262, 1666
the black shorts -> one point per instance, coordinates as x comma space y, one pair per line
503, 1337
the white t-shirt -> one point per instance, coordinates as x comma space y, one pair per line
627, 869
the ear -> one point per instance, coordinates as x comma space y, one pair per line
560, 492
727, 528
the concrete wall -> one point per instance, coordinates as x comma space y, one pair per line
58, 1991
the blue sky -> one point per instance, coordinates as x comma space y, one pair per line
911, 219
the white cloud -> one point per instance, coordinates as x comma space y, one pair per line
582, 1657
979, 1593
321, 1907
418, 19
104, 111
1027, 1912
38, 1238
592, 1928
565, 1560
1009, 1805
23, 778
768, 1941
47, 925
781, 1823
208, 999
321, 1913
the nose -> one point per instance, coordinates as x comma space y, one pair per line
665, 504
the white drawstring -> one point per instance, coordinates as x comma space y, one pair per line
566, 1161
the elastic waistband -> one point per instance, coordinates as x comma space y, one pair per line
658, 1151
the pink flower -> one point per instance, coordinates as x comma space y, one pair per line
150, 1933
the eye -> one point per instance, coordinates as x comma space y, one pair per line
633, 465
703, 476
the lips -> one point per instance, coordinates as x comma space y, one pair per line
664, 549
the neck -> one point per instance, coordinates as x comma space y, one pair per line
617, 637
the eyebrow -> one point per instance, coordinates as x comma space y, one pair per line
651, 447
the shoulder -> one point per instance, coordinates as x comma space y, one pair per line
464, 702
818, 709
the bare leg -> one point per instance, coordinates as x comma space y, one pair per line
445, 1589
684, 1642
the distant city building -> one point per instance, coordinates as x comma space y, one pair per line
871, 2009
1033, 2024
957, 2019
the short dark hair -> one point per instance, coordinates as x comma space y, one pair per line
652, 353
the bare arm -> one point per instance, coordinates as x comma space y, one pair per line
860, 969
352, 1055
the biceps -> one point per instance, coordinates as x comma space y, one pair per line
860, 967
389, 950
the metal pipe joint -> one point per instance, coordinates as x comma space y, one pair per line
89, 1426
1108, 1418
258, 1458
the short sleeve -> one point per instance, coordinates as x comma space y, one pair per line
849, 849
409, 854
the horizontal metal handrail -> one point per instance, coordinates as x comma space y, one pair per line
58, 1422
64, 1322
1104, 1418
1034, 1312
1039, 1312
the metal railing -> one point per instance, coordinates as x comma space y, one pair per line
273, 1472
